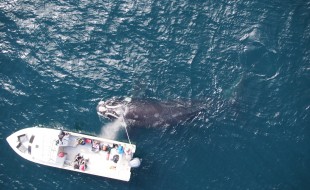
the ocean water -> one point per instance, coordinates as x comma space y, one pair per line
248, 60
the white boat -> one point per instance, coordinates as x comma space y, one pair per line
60, 149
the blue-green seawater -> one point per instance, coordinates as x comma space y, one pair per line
249, 60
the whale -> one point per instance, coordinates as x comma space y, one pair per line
147, 112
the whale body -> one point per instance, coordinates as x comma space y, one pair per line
147, 112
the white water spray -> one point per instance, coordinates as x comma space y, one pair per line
110, 130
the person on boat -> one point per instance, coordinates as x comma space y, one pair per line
128, 153
95, 146
79, 161
82, 167
83, 164
62, 136
81, 141
120, 149
105, 147
76, 165
115, 158
78, 157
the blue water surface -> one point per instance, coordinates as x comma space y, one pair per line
248, 61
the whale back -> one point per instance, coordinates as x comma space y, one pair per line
155, 113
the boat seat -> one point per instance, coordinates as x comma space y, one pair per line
61, 160
29, 149
22, 138
31, 138
21, 147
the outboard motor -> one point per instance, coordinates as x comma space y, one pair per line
135, 163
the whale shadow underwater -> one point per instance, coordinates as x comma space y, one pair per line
148, 112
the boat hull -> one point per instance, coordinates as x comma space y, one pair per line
44, 146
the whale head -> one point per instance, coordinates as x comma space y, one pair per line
111, 109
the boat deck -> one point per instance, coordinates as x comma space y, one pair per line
44, 146
99, 162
